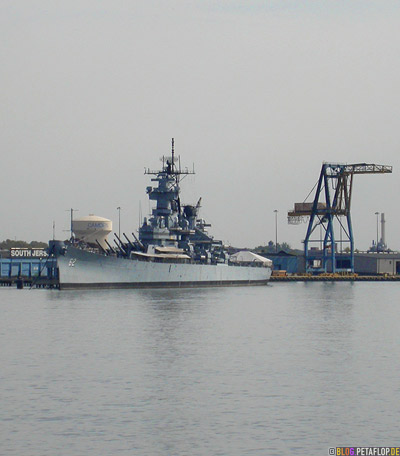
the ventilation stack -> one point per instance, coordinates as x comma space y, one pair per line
382, 242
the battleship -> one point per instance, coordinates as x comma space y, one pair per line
173, 247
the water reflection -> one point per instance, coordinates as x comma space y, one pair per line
289, 368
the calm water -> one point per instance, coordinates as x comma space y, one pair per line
278, 370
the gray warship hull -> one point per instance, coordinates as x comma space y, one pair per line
173, 249
83, 269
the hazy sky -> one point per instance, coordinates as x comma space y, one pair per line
257, 94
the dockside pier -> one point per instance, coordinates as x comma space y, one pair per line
29, 272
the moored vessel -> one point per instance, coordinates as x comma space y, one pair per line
173, 248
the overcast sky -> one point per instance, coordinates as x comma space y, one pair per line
256, 93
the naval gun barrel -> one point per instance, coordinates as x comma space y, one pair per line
123, 253
139, 243
101, 248
120, 245
129, 242
109, 246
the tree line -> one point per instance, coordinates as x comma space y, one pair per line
9, 243
272, 248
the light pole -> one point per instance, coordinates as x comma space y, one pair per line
119, 221
377, 230
276, 230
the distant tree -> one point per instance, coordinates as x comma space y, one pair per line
271, 248
9, 243
285, 247
38, 245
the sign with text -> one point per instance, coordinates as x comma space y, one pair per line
17, 252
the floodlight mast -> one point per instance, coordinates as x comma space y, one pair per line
332, 202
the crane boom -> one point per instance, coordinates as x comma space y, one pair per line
359, 168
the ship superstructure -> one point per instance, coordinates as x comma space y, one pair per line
173, 225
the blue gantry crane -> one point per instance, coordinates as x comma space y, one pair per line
331, 206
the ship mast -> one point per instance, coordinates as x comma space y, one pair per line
172, 153
169, 168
